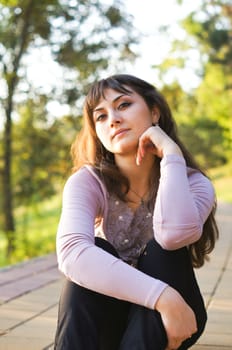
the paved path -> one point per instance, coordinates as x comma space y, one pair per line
29, 295
215, 279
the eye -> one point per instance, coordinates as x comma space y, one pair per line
124, 105
100, 117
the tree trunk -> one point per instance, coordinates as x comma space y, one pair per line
9, 224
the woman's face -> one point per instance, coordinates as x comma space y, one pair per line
120, 119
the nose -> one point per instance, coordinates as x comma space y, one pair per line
114, 118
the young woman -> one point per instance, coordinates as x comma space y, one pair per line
138, 215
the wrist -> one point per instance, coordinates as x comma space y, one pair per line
168, 300
161, 301
172, 148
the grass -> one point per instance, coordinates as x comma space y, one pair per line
222, 180
37, 225
36, 231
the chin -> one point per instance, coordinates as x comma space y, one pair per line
126, 152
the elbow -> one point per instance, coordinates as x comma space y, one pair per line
67, 259
69, 268
69, 250
71, 262
63, 267
167, 243
176, 238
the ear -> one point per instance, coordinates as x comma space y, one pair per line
155, 115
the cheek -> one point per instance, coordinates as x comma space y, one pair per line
98, 132
101, 134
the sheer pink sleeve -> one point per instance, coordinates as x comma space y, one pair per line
184, 201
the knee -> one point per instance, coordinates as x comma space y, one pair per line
172, 267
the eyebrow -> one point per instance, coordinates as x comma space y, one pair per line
115, 100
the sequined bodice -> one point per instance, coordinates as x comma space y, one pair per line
126, 230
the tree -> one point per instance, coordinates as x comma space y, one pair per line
211, 27
41, 152
84, 36
208, 33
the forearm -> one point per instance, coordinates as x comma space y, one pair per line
181, 207
95, 269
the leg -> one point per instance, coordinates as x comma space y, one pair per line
88, 320
145, 329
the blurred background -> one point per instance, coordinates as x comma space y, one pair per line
51, 51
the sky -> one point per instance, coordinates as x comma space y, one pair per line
149, 15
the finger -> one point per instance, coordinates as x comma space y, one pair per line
140, 153
174, 344
139, 157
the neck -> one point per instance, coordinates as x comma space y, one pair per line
138, 175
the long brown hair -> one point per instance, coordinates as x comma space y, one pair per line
87, 149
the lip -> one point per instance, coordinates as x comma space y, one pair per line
120, 131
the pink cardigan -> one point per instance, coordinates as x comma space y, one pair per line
184, 200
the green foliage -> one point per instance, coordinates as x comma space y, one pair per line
83, 37
41, 152
204, 139
214, 101
36, 231
222, 180
204, 115
211, 28
9, 2
202, 119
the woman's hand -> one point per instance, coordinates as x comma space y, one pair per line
154, 140
178, 318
